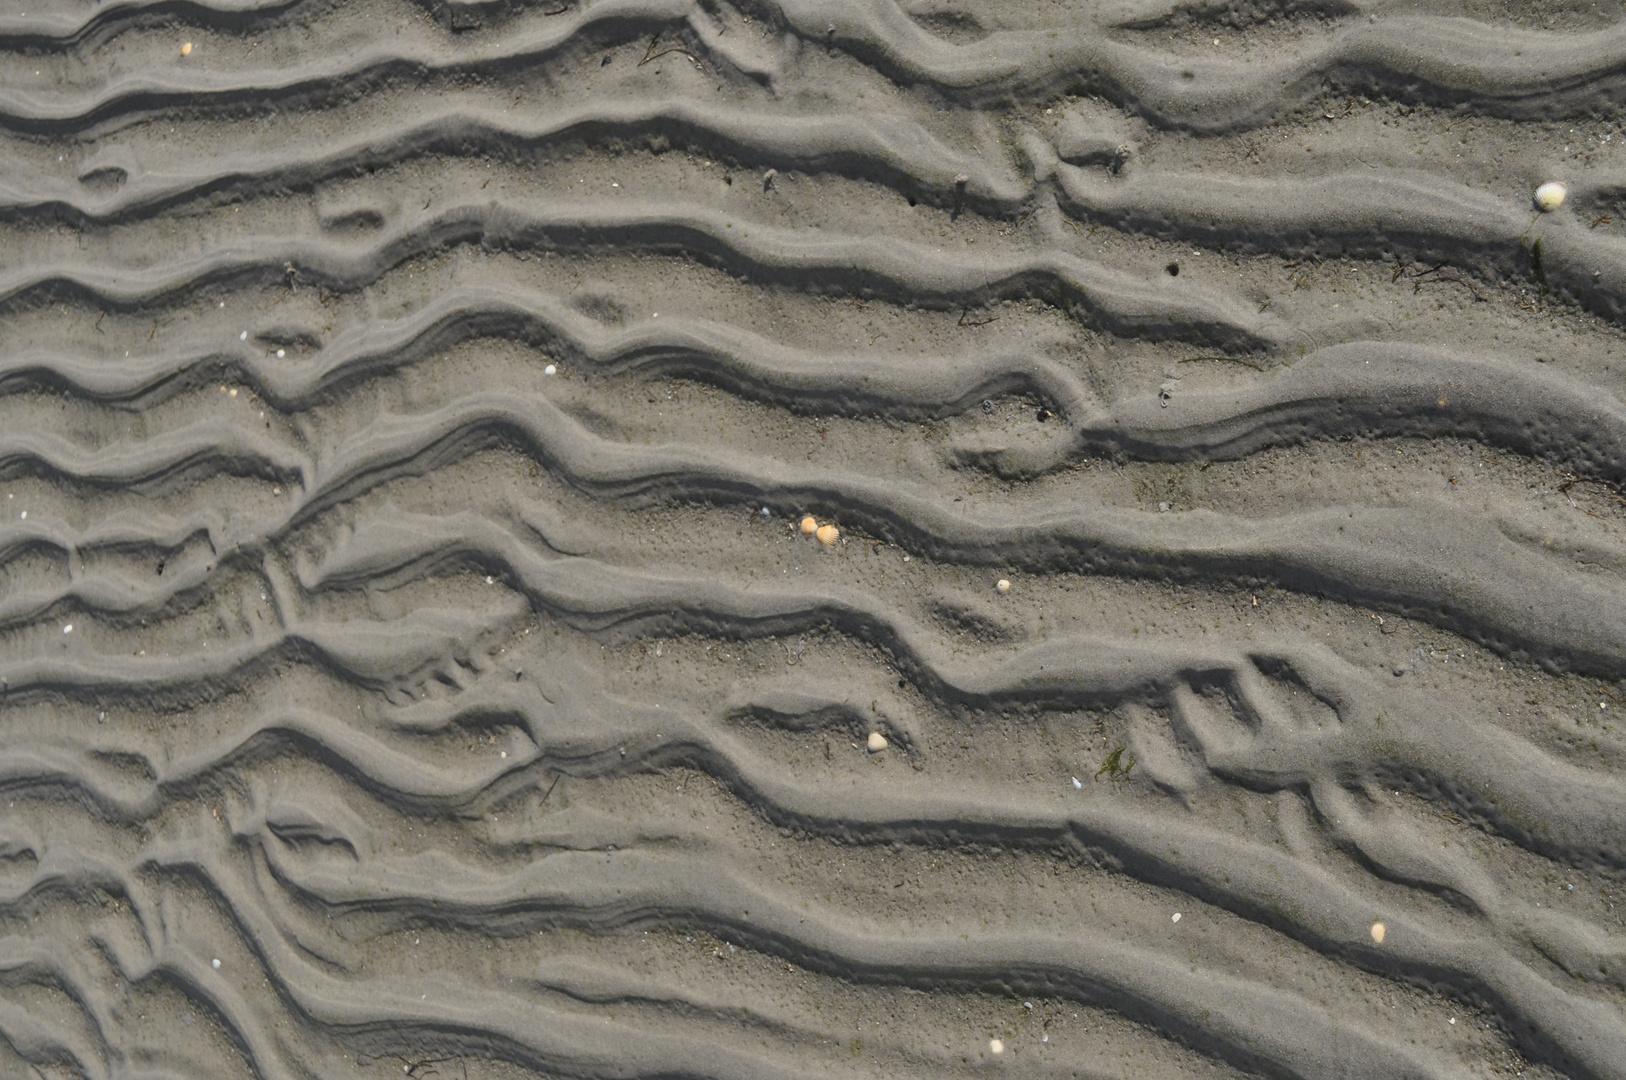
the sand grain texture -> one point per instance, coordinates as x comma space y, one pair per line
412, 662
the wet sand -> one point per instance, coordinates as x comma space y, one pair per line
413, 664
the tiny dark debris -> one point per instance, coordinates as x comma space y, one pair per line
1173, 269
1608, 489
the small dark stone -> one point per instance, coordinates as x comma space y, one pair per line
1043, 415
1173, 269
604, 62
988, 406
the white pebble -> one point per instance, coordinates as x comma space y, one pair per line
1003, 586
1378, 932
877, 742
281, 353
215, 964
550, 370
1078, 784
996, 1046
1550, 196
68, 629
1176, 917
243, 336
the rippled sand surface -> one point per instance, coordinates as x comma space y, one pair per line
411, 661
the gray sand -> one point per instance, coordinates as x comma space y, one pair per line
412, 663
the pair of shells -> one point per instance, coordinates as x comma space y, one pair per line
826, 534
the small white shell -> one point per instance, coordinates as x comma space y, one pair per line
1003, 586
996, 1046
877, 742
1550, 196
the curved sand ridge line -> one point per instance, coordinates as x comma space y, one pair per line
1451, 61
1204, 865
1374, 389
1142, 983
870, 145
1423, 563
396, 776
1369, 213
1561, 810
411, 663
1198, 868
41, 29
1554, 807
1488, 69
768, 255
